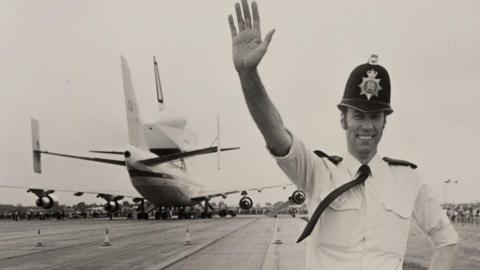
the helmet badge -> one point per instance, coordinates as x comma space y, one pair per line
370, 85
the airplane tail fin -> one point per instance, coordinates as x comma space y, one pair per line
217, 141
135, 129
37, 162
158, 85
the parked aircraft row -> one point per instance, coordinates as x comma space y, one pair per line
158, 161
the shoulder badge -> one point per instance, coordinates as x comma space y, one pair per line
334, 159
399, 162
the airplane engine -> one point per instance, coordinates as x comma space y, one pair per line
298, 197
112, 206
245, 203
47, 201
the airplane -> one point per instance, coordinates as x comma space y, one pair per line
158, 161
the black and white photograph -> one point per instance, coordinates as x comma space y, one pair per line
243, 134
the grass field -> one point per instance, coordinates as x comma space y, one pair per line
419, 249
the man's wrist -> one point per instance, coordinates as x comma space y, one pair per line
247, 72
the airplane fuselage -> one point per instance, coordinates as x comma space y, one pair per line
165, 188
166, 184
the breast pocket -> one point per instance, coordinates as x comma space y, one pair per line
340, 224
396, 224
395, 205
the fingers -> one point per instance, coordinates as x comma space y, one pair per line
268, 39
245, 20
246, 14
256, 16
238, 11
233, 29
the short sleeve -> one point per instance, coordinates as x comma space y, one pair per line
297, 164
432, 220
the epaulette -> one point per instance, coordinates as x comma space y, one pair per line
334, 159
399, 162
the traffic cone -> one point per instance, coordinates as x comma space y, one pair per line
278, 240
188, 240
39, 242
106, 242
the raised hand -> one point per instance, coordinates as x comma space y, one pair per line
247, 45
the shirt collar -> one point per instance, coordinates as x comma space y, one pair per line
352, 164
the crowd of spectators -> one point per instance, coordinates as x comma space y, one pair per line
28, 215
17, 213
463, 212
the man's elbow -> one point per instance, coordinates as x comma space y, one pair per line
280, 143
279, 150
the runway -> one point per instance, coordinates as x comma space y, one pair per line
221, 243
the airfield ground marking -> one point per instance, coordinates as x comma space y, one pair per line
198, 248
266, 263
94, 240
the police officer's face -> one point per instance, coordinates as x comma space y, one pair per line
364, 131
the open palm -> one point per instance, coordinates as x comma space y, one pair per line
247, 45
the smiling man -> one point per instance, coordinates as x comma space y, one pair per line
361, 204
365, 106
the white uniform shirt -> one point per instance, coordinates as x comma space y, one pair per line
366, 227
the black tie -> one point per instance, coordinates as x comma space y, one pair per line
363, 173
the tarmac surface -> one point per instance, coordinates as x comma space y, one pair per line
243, 242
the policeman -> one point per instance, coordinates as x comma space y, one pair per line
360, 204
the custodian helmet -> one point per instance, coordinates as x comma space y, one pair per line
368, 88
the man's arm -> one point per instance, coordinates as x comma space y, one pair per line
248, 50
444, 257
433, 220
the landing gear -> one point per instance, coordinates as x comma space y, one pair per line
206, 213
184, 212
142, 215
181, 213
224, 212
141, 209
164, 215
187, 215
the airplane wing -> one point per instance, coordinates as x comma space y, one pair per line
208, 194
108, 152
150, 161
167, 158
44, 190
103, 160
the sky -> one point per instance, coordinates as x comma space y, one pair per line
60, 64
